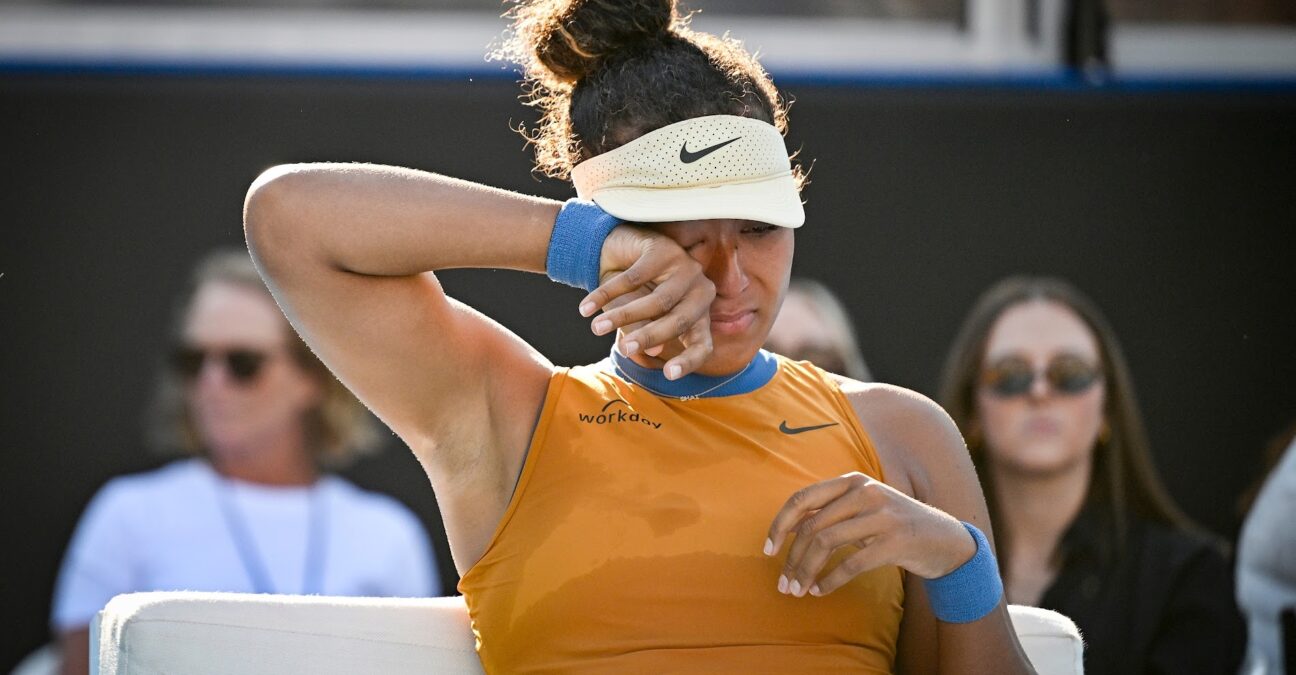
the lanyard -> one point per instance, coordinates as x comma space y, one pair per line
316, 535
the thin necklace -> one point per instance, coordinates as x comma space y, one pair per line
317, 531
690, 397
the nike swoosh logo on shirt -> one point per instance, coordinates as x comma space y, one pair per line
690, 157
800, 430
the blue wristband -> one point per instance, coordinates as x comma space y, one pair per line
577, 243
972, 590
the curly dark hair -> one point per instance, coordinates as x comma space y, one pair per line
605, 72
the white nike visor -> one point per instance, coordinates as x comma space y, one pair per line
719, 166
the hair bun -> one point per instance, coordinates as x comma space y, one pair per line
571, 38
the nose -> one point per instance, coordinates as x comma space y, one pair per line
212, 375
1040, 388
725, 268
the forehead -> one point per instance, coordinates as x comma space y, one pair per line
228, 313
1040, 329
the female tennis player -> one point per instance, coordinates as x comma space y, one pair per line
691, 503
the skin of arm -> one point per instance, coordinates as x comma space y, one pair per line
911, 521
349, 252
919, 439
74, 647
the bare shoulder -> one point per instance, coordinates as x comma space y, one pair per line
914, 437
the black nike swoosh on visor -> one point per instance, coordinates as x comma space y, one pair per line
690, 157
799, 430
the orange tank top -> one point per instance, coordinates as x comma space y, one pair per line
633, 539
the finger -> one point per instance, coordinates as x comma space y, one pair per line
859, 562
819, 547
627, 330
637, 275
629, 347
678, 322
628, 297
700, 331
802, 502
844, 508
659, 302
696, 351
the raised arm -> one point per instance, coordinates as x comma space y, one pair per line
348, 251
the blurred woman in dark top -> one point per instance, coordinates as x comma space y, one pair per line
1038, 385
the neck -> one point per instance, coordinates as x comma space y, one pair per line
281, 461
673, 348
646, 372
1037, 509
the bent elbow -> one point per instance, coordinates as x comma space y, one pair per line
268, 217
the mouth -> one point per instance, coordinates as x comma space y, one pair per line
1043, 426
732, 323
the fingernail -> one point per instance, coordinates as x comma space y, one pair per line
602, 326
587, 308
795, 588
672, 372
782, 585
769, 547
814, 590
631, 347
654, 351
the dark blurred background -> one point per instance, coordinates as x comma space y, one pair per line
1168, 197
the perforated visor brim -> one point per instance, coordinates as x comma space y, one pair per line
774, 200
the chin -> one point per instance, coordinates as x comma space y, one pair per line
728, 356
1040, 462
224, 443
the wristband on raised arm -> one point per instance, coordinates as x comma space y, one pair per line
576, 244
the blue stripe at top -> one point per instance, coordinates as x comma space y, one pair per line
760, 371
1044, 79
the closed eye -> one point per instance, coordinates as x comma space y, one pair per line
759, 229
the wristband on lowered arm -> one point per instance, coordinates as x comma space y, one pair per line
576, 244
972, 590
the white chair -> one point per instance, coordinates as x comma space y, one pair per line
211, 633
43, 661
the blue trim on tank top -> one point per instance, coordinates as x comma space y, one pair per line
758, 373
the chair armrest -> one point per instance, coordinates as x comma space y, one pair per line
215, 633
1051, 640
202, 633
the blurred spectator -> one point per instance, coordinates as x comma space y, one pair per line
1038, 384
1266, 570
813, 326
252, 510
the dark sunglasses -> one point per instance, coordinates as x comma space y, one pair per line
242, 364
1066, 374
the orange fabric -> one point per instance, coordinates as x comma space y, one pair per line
633, 539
